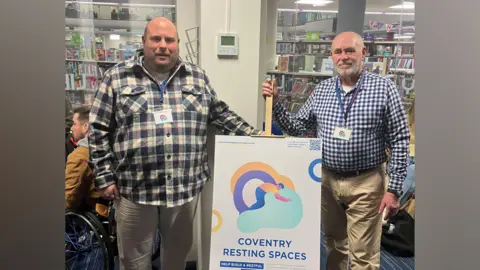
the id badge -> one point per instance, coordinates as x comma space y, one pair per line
342, 133
162, 117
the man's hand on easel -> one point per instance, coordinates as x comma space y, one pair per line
269, 88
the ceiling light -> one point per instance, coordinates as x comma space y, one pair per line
316, 3
118, 4
308, 10
405, 5
336, 11
114, 37
402, 37
398, 13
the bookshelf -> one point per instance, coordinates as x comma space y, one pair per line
97, 37
303, 50
303, 64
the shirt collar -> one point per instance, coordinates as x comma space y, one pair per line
136, 64
357, 84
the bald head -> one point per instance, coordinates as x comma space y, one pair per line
159, 22
160, 45
348, 37
348, 52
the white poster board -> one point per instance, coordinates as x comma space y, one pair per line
266, 203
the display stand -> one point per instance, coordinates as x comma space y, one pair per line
268, 116
266, 202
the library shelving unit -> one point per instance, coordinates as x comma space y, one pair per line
303, 50
303, 64
97, 37
86, 60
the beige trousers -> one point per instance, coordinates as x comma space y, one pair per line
136, 230
350, 218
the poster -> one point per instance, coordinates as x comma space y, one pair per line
266, 203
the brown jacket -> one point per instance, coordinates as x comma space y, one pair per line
80, 193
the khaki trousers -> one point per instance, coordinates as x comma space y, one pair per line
350, 218
136, 230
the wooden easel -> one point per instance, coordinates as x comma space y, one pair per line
268, 114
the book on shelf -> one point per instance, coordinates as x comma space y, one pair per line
327, 66
402, 63
305, 63
375, 67
302, 48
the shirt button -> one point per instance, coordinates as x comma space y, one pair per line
168, 157
168, 177
168, 134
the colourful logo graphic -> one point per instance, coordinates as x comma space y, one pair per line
276, 204
219, 220
163, 117
311, 170
341, 133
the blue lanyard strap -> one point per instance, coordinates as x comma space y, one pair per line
162, 88
355, 93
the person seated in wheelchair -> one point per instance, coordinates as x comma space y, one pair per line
80, 193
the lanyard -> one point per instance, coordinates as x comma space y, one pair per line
162, 88
339, 97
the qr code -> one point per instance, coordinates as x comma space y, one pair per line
315, 145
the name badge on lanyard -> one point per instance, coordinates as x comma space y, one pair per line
164, 116
343, 132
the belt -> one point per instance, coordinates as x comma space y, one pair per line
347, 174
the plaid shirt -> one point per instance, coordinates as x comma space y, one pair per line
156, 164
377, 118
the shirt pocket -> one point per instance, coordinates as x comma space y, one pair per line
195, 107
133, 100
194, 100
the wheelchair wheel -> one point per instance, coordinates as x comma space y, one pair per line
87, 245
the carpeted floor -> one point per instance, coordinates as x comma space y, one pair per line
388, 261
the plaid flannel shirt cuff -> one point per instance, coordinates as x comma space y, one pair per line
104, 181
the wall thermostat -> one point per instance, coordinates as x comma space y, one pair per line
227, 44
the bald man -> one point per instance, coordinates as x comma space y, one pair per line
356, 114
148, 146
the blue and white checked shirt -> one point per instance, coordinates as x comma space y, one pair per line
377, 119
156, 164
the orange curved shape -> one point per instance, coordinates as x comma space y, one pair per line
285, 181
220, 220
260, 166
269, 187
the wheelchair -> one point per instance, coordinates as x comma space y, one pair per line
91, 242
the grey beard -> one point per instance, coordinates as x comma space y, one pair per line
351, 73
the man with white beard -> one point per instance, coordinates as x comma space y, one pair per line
357, 114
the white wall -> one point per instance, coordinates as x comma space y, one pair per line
237, 81
188, 16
